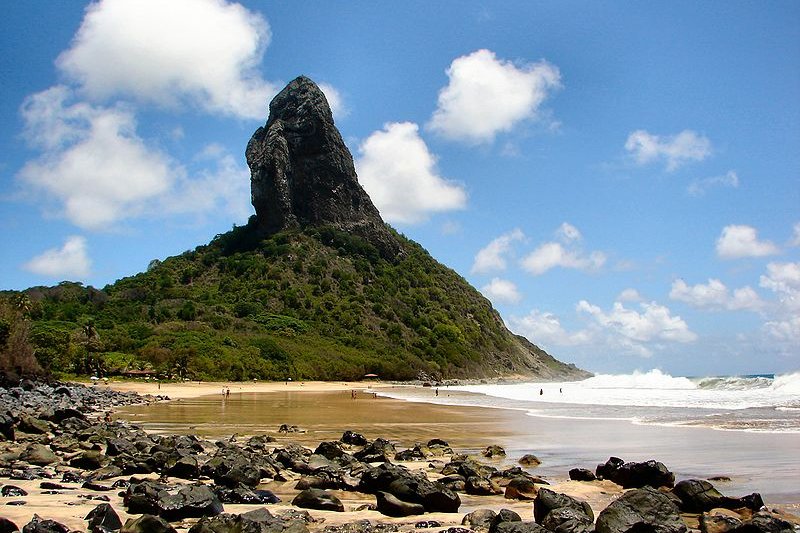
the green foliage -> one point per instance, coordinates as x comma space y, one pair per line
313, 304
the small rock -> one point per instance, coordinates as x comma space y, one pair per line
494, 451
318, 499
103, 516
11, 491
529, 460
147, 524
582, 474
391, 506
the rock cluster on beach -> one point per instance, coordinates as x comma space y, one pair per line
162, 483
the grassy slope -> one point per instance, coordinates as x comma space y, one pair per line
316, 304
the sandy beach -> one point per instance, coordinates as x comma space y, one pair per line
322, 411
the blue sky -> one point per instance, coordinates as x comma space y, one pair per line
621, 179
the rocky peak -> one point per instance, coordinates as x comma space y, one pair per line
302, 174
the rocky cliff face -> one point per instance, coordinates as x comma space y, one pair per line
302, 174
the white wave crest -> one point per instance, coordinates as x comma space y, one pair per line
654, 379
787, 383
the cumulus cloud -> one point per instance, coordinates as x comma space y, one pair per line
742, 241
202, 52
716, 296
784, 280
486, 95
493, 256
399, 173
69, 261
501, 290
546, 329
100, 171
629, 295
654, 323
93, 161
700, 187
550, 255
674, 150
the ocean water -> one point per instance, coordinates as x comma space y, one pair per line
746, 428
757, 403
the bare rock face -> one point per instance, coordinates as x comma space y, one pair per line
302, 174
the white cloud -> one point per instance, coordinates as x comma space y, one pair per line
486, 95
492, 256
93, 161
501, 290
795, 235
545, 329
99, 171
675, 150
742, 241
654, 323
554, 254
399, 173
202, 52
629, 295
69, 261
699, 187
784, 280
335, 100
568, 233
715, 295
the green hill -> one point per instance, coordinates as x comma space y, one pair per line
312, 304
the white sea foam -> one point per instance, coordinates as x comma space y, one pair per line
735, 402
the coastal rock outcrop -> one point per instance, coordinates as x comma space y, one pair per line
302, 173
643, 509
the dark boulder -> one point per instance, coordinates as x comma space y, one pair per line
454, 482
147, 524
494, 451
481, 486
38, 525
548, 500
529, 460
392, 506
103, 516
116, 447
765, 523
32, 425
581, 474
192, 501
6, 427
378, 451
141, 497
38, 454
88, 460
353, 438
318, 499
521, 488
7, 526
330, 450
698, 495
641, 510
302, 173
503, 516
479, 520
409, 486
568, 520
185, 468
636, 475
258, 521
12, 491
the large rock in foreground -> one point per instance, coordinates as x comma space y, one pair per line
302, 173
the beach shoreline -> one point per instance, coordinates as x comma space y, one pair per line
323, 410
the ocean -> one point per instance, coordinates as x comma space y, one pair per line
754, 403
746, 428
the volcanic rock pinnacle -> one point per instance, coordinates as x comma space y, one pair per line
302, 174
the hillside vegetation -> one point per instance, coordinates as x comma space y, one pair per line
302, 304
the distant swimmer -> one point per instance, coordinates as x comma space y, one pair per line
541, 391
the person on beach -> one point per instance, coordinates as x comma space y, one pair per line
541, 391
437, 392
228, 392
